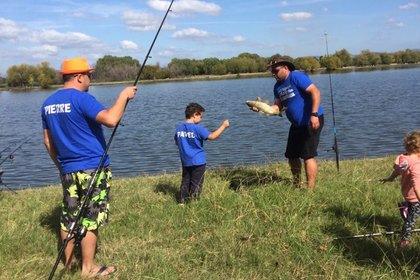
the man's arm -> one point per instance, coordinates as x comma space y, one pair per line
316, 101
277, 104
111, 116
49, 145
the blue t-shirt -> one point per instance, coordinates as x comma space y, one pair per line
292, 95
69, 115
189, 137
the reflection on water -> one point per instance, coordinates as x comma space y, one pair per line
373, 112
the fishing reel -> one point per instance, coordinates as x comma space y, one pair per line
79, 235
333, 148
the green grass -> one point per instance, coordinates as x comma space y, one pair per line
250, 223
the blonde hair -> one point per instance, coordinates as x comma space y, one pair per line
412, 142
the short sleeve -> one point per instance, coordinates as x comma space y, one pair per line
302, 81
89, 106
203, 132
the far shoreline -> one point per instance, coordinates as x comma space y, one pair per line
223, 77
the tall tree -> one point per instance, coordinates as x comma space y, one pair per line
307, 63
386, 58
23, 75
184, 67
3, 81
410, 56
345, 57
213, 66
47, 76
331, 62
112, 68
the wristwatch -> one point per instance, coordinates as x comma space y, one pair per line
314, 114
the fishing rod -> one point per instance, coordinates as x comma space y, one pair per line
335, 146
3, 184
386, 233
5, 149
11, 155
75, 231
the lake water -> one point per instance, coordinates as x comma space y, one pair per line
373, 112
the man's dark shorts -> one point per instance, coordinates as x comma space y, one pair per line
303, 141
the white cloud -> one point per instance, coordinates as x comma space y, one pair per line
408, 6
88, 10
301, 29
43, 51
190, 33
186, 7
129, 45
227, 39
238, 38
168, 53
284, 3
68, 39
10, 30
295, 16
141, 21
395, 23
194, 33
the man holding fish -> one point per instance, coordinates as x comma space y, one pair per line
295, 93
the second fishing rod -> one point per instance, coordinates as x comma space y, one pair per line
335, 146
77, 232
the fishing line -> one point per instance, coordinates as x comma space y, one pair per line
268, 156
75, 227
365, 235
335, 146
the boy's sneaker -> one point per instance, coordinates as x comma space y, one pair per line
404, 243
181, 202
403, 207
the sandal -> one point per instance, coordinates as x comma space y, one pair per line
103, 271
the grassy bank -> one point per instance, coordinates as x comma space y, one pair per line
249, 224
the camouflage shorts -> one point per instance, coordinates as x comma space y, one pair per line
74, 190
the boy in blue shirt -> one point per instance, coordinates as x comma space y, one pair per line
189, 137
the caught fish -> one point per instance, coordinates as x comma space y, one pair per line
263, 107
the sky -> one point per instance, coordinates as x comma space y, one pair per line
35, 31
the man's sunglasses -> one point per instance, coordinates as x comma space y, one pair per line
89, 74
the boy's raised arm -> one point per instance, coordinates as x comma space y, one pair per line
219, 131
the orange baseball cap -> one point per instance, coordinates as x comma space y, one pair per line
75, 65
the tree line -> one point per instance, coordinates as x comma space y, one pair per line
112, 68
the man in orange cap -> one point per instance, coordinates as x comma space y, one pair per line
72, 122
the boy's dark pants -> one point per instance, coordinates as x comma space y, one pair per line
192, 182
